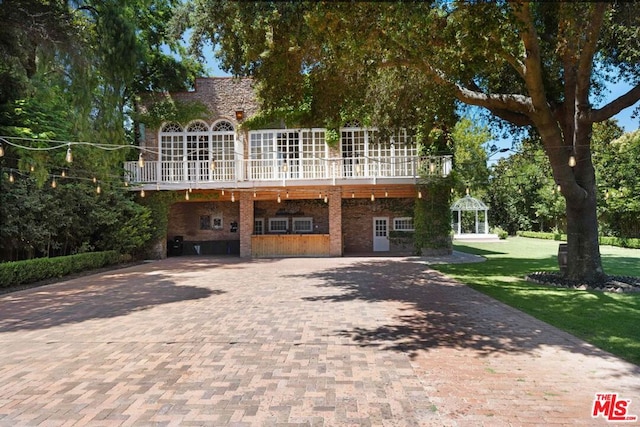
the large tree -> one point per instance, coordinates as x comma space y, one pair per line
537, 65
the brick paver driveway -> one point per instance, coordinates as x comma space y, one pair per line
321, 342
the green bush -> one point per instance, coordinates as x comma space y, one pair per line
541, 235
604, 240
502, 234
33, 270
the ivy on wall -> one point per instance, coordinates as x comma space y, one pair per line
432, 217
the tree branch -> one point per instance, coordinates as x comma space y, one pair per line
585, 61
614, 107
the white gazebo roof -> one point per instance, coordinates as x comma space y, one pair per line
468, 203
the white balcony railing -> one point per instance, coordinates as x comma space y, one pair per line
194, 172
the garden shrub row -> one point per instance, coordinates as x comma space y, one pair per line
33, 270
604, 240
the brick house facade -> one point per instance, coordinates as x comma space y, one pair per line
278, 192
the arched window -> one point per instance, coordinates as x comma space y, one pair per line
222, 141
198, 141
171, 142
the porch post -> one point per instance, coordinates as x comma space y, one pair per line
246, 223
335, 222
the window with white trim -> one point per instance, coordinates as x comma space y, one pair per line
403, 224
302, 225
278, 225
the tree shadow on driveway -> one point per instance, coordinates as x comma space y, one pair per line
432, 311
92, 297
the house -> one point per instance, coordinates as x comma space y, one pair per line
279, 192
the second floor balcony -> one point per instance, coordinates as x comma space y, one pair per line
265, 172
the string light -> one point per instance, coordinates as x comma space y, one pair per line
326, 198
94, 180
386, 193
64, 174
142, 193
353, 195
279, 199
254, 194
1, 150
186, 195
32, 168
572, 160
287, 194
212, 166
69, 157
11, 178
53, 183
98, 190
140, 160
373, 197
233, 197
419, 194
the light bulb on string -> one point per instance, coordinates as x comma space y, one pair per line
142, 193
326, 198
11, 178
373, 197
222, 191
233, 197
95, 180
419, 194
1, 150
98, 189
255, 194
353, 195
186, 195
32, 168
287, 194
140, 160
64, 174
54, 184
572, 160
279, 199
69, 157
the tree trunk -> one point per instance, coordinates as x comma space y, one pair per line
580, 192
583, 249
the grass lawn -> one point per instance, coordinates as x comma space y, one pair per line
607, 320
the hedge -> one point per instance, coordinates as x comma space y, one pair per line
604, 240
33, 270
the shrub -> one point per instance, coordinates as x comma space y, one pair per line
502, 234
604, 240
33, 270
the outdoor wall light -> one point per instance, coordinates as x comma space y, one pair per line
239, 115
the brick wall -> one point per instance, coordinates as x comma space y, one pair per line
357, 220
184, 220
223, 96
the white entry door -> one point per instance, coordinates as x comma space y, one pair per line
380, 234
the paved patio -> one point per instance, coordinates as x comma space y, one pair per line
290, 342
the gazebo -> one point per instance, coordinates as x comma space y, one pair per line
470, 204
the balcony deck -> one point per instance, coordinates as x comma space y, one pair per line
252, 173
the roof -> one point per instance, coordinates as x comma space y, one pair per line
468, 203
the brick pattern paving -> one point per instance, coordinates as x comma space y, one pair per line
290, 342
